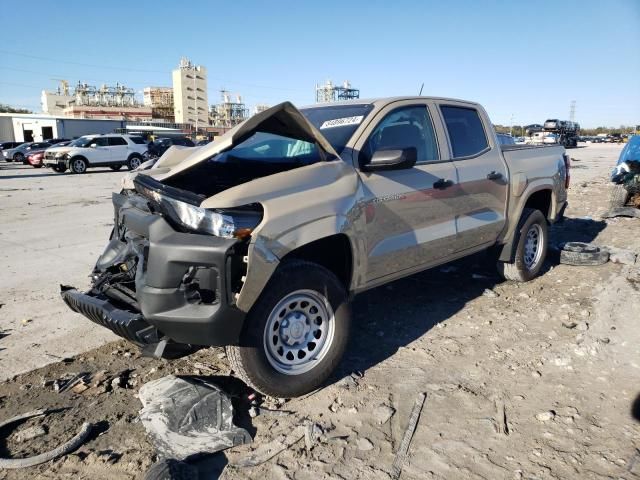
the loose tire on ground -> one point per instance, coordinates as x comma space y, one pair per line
78, 165
171, 469
618, 197
254, 359
581, 254
527, 265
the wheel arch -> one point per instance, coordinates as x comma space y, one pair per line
540, 198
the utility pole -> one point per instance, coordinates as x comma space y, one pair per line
572, 111
511, 126
195, 101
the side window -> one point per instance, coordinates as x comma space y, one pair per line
99, 141
138, 140
403, 128
116, 141
466, 133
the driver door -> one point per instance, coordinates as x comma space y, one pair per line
409, 212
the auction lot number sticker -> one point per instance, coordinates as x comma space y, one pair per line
342, 122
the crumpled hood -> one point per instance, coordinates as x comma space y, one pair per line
282, 119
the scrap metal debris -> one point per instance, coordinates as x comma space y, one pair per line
403, 450
188, 416
70, 446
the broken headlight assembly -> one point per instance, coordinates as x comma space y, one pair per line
233, 223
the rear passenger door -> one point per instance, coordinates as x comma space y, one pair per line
119, 149
409, 213
482, 176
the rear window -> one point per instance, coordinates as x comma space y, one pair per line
466, 133
138, 140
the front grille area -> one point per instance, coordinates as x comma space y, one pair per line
121, 322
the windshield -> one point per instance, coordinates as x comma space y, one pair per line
81, 142
337, 123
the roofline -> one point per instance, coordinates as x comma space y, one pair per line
380, 101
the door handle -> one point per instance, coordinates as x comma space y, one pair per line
441, 184
494, 175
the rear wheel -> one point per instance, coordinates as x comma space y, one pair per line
295, 334
78, 165
530, 242
134, 162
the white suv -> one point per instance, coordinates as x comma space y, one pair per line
109, 150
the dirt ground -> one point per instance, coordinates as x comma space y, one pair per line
523, 381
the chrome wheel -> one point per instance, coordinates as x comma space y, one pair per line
78, 166
134, 163
533, 246
299, 332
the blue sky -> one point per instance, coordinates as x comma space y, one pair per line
526, 59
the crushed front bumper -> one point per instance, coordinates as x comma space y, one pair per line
178, 287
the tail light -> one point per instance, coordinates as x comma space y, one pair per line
567, 167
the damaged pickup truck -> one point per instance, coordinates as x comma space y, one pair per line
257, 241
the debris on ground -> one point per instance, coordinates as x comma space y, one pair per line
186, 416
67, 447
171, 469
267, 451
403, 450
581, 253
30, 433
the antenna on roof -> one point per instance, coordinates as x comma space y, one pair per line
421, 89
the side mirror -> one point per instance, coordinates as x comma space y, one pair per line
392, 159
94, 145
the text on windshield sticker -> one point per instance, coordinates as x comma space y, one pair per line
341, 122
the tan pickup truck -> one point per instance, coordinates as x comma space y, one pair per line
258, 241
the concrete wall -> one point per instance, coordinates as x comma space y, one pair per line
6, 130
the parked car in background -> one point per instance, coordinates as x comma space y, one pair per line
259, 241
8, 145
108, 150
57, 141
505, 139
35, 156
19, 153
161, 145
200, 143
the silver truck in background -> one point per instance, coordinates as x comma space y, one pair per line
258, 241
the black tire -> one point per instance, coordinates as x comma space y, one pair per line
618, 197
580, 254
18, 157
59, 168
517, 270
134, 162
170, 469
37, 166
78, 165
249, 360
115, 168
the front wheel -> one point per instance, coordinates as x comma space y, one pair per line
18, 157
78, 165
295, 334
530, 242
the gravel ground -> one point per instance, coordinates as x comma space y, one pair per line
532, 381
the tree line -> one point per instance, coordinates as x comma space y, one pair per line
518, 130
9, 109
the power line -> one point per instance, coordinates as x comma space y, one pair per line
164, 72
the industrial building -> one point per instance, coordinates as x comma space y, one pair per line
160, 99
328, 92
87, 101
228, 113
33, 127
190, 100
